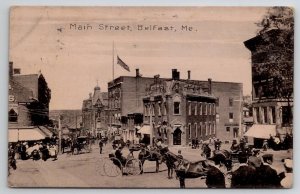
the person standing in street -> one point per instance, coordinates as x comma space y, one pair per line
215, 177
267, 176
218, 144
100, 146
244, 176
255, 160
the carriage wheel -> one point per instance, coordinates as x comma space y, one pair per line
133, 166
100, 167
112, 167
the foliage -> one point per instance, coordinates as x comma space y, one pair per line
274, 57
44, 91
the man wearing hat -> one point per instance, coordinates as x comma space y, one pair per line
244, 176
287, 181
267, 176
254, 160
215, 178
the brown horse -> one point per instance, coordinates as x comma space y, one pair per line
150, 155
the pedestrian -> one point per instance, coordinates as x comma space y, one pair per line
287, 181
218, 144
206, 150
267, 176
255, 160
100, 146
215, 177
244, 176
181, 176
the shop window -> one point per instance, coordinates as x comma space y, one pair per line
12, 116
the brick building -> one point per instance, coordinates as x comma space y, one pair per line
179, 110
126, 98
272, 109
28, 106
94, 113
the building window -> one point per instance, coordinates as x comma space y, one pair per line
12, 116
190, 108
228, 129
164, 108
214, 128
231, 117
196, 107
273, 112
209, 128
205, 129
257, 114
200, 108
159, 109
200, 129
205, 109
265, 109
230, 102
176, 108
213, 109
190, 130
287, 115
196, 130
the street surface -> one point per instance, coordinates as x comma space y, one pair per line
84, 170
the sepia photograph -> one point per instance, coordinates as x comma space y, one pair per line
150, 97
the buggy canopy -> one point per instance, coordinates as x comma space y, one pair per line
146, 129
261, 131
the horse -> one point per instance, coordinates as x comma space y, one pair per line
150, 155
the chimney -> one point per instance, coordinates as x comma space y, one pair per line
209, 85
17, 71
11, 69
189, 74
137, 72
175, 74
90, 94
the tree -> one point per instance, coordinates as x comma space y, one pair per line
275, 53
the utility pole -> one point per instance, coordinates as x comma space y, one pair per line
59, 133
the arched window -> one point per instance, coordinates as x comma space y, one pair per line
176, 105
12, 116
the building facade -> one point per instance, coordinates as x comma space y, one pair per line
126, 97
271, 105
179, 111
94, 113
28, 106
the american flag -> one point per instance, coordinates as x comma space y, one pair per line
122, 64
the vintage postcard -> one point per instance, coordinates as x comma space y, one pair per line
151, 97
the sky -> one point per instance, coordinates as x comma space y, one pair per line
73, 60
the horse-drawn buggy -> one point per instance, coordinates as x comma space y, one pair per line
81, 144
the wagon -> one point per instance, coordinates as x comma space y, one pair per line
81, 144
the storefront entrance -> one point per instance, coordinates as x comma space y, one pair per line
177, 136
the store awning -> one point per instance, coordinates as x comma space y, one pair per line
26, 134
13, 135
261, 131
146, 129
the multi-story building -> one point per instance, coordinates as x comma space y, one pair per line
94, 113
178, 111
28, 106
126, 97
272, 108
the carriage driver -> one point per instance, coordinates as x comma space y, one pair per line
119, 155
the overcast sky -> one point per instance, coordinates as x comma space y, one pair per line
72, 60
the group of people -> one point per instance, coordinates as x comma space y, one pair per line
252, 172
35, 150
